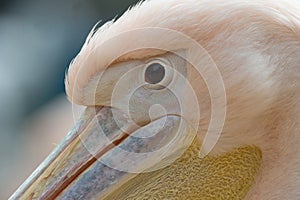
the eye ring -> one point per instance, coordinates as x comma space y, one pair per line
157, 74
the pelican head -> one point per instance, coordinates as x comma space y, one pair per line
185, 99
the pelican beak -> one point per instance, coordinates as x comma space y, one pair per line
102, 152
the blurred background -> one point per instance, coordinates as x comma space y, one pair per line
38, 39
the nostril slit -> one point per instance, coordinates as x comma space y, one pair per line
156, 111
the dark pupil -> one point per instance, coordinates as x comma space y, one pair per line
154, 73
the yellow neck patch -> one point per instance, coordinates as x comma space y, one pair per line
227, 176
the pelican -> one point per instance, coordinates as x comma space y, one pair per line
185, 99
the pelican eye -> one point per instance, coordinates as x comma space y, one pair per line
155, 73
